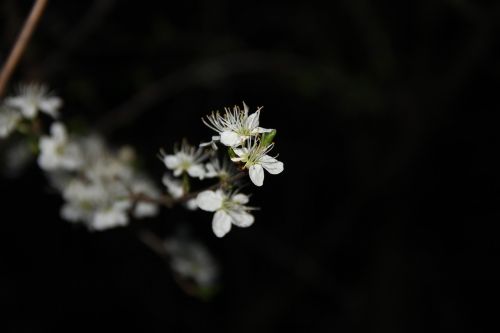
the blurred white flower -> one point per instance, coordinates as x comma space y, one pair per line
191, 260
174, 186
186, 159
229, 209
234, 127
57, 151
99, 195
145, 209
9, 118
32, 98
215, 168
255, 159
176, 190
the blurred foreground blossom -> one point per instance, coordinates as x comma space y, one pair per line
31, 98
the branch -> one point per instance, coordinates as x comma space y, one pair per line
21, 43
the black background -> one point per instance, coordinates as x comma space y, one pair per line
383, 220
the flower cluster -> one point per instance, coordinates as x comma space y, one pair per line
248, 146
247, 141
98, 192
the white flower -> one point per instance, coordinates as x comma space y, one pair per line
255, 158
174, 186
176, 190
188, 159
9, 119
229, 209
57, 152
235, 126
113, 216
32, 98
191, 260
215, 168
99, 195
145, 209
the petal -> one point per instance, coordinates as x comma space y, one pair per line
240, 198
262, 130
209, 201
50, 106
221, 223
252, 121
196, 171
230, 138
256, 174
58, 131
241, 218
240, 151
171, 161
272, 165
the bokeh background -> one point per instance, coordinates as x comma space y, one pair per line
383, 220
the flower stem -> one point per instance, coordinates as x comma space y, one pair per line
21, 43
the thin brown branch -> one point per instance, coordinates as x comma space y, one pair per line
21, 43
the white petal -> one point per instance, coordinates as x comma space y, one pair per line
262, 130
272, 165
240, 151
196, 171
58, 131
221, 223
241, 218
50, 106
256, 174
209, 201
240, 198
252, 121
171, 161
230, 138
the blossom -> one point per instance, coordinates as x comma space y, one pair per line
191, 260
99, 195
32, 98
176, 190
229, 209
186, 159
234, 127
57, 151
145, 209
215, 168
255, 159
9, 119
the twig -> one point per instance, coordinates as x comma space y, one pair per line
21, 43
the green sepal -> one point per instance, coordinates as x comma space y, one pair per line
267, 138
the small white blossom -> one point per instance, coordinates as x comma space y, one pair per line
255, 159
57, 151
174, 186
186, 159
234, 127
191, 260
215, 168
145, 209
9, 119
229, 209
113, 216
32, 98
176, 190
99, 195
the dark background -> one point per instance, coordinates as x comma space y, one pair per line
383, 220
